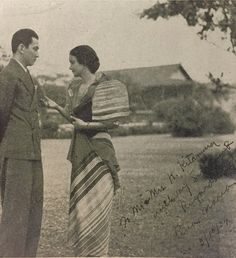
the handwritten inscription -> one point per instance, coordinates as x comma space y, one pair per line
137, 208
204, 240
180, 185
181, 230
217, 198
190, 158
198, 197
172, 198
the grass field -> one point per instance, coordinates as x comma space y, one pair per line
155, 213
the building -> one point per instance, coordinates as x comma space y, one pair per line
144, 77
149, 85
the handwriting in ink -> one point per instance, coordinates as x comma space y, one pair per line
190, 158
214, 230
171, 199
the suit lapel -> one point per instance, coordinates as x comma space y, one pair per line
23, 76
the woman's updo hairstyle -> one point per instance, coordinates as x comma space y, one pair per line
86, 56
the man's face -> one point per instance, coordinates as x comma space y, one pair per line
30, 53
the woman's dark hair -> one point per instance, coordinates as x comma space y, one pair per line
86, 56
23, 36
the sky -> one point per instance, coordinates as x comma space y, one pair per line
114, 29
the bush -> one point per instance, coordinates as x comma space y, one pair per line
138, 130
217, 164
153, 94
63, 134
186, 117
49, 130
56, 93
164, 109
120, 131
149, 130
218, 121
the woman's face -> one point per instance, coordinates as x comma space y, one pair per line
76, 68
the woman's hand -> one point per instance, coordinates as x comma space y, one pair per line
111, 125
116, 124
49, 103
78, 123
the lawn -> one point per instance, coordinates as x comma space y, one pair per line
160, 210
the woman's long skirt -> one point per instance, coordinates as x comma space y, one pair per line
91, 197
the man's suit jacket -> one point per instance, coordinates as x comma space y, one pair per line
19, 120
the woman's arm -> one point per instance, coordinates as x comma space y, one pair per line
80, 124
53, 105
64, 113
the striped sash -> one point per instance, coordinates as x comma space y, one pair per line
91, 196
110, 101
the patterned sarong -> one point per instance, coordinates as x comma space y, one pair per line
90, 207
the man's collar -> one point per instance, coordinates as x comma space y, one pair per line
25, 69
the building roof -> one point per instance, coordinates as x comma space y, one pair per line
152, 76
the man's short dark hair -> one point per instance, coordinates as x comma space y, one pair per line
23, 36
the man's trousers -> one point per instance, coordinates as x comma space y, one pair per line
22, 200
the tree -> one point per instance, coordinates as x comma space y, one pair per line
4, 58
209, 15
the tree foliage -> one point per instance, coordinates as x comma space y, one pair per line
56, 93
189, 117
4, 58
207, 14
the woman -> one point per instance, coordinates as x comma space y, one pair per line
94, 177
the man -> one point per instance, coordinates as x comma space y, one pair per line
21, 173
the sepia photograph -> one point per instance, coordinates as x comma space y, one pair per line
118, 128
